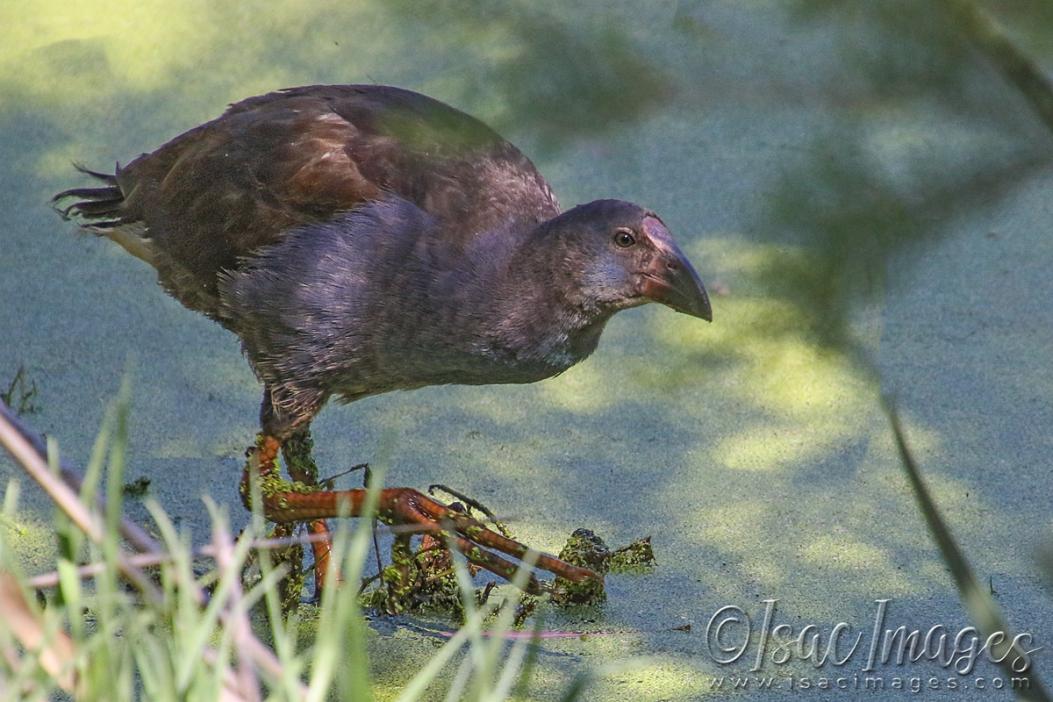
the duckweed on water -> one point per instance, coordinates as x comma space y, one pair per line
584, 548
637, 557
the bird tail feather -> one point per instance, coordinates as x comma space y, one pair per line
96, 209
102, 212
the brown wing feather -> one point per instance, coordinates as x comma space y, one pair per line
219, 192
222, 191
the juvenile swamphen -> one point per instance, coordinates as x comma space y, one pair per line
361, 239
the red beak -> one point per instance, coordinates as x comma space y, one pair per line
670, 278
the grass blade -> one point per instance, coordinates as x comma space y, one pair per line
977, 601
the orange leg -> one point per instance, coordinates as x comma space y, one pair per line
295, 502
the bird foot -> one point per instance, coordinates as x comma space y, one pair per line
408, 511
262, 462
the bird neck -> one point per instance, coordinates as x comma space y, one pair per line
539, 311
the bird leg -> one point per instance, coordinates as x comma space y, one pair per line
290, 588
295, 501
299, 461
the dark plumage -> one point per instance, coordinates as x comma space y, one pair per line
362, 239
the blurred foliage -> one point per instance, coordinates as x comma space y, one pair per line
978, 601
879, 187
524, 63
177, 628
850, 220
547, 77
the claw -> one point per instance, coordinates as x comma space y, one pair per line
476, 541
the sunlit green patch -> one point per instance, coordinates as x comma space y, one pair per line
29, 541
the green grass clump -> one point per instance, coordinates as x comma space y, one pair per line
160, 625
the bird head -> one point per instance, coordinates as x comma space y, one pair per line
620, 255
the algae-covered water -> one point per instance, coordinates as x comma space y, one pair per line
857, 185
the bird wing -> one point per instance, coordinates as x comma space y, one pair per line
214, 195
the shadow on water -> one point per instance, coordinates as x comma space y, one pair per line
543, 76
512, 64
752, 449
890, 181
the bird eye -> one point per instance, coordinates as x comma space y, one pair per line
624, 238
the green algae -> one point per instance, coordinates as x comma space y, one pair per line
136, 488
298, 452
637, 557
272, 485
421, 582
585, 549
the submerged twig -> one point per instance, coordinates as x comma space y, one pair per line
20, 393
